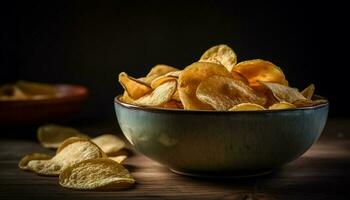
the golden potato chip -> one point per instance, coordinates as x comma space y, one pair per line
73, 153
109, 143
158, 71
284, 93
33, 88
309, 91
23, 164
191, 77
164, 78
70, 141
260, 70
221, 54
223, 93
133, 87
308, 102
118, 159
126, 98
239, 77
176, 96
282, 105
96, 174
51, 135
246, 107
172, 104
159, 96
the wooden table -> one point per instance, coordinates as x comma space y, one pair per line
321, 173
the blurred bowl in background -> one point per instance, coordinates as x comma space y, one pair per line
65, 104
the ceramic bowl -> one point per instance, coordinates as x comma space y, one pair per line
221, 143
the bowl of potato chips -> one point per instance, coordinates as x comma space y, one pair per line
219, 117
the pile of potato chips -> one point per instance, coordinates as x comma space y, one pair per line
216, 82
81, 162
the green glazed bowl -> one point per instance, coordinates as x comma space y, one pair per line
221, 143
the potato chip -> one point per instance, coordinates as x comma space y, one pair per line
221, 54
33, 88
191, 77
158, 71
12, 92
73, 153
164, 78
176, 96
223, 93
172, 104
109, 143
284, 93
126, 98
96, 174
260, 70
70, 141
118, 159
282, 105
308, 102
159, 96
23, 164
51, 135
309, 91
133, 87
246, 107
239, 77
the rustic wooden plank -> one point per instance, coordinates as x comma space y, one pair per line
321, 173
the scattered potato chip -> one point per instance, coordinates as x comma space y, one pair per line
133, 87
96, 174
282, 105
158, 71
246, 107
70, 141
73, 153
221, 54
191, 77
309, 91
260, 70
23, 164
223, 93
109, 143
51, 136
159, 96
118, 159
284, 93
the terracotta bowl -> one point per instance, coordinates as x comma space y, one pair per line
23, 112
221, 143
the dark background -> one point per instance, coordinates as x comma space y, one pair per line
89, 43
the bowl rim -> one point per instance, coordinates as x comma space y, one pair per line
166, 110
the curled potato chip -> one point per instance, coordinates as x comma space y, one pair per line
309, 91
176, 96
96, 174
51, 135
260, 70
118, 159
159, 96
126, 98
191, 77
70, 141
284, 93
173, 75
158, 71
133, 87
282, 105
246, 107
109, 143
23, 163
221, 54
72, 153
223, 93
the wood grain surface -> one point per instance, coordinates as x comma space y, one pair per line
321, 173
